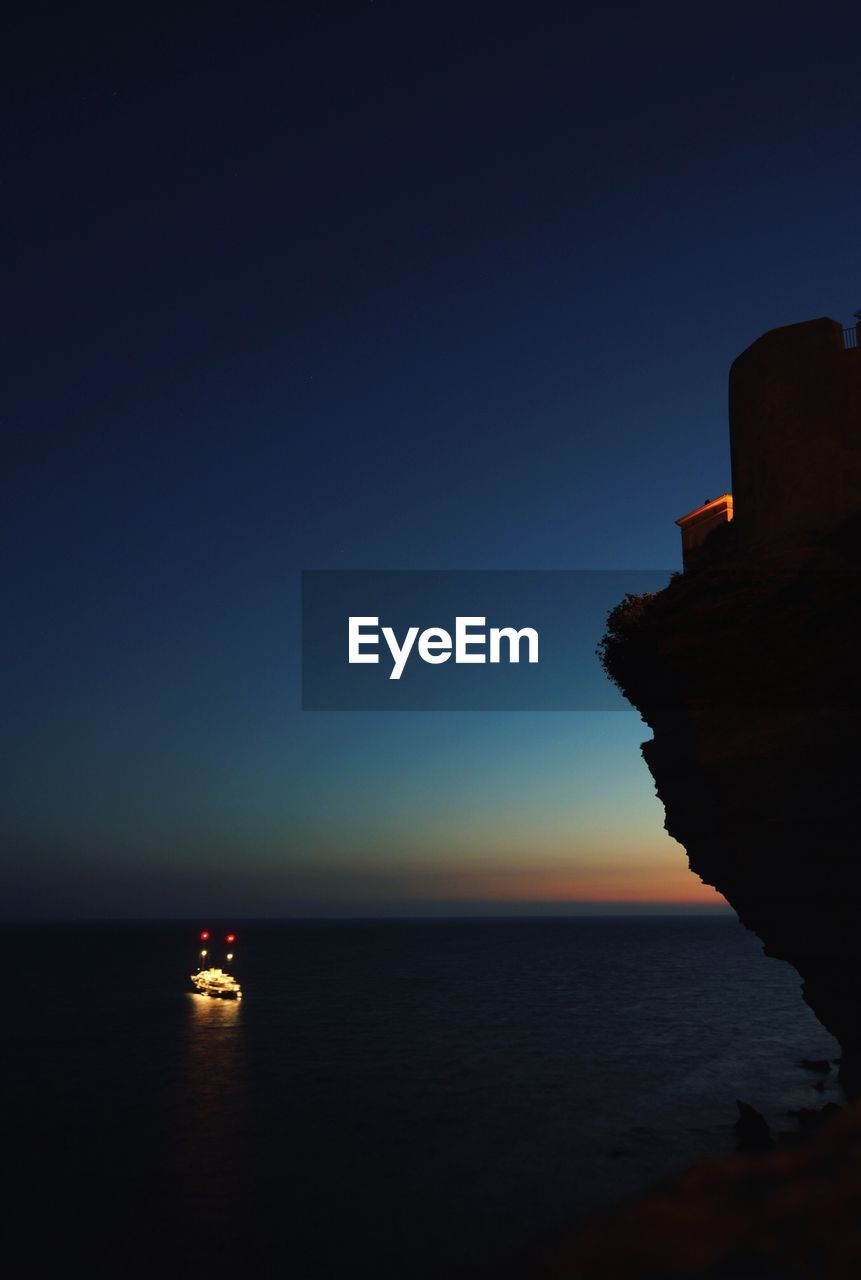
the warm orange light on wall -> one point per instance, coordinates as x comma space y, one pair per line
715, 506
699, 524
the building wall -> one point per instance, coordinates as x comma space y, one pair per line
795, 432
697, 526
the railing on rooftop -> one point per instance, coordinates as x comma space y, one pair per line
850, 338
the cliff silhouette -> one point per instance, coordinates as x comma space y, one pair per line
746, 668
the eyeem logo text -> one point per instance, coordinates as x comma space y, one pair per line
471, 643
444, 640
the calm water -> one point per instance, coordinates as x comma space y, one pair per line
391, 1099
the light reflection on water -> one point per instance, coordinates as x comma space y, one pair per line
214, 1013
213, 1091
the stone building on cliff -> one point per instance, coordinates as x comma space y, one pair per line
795, 425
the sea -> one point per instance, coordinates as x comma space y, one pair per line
392, 1099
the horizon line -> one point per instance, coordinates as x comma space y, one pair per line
588, 910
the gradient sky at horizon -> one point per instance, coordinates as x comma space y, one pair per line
362, 286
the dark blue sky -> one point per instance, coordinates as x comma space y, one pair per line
370, 285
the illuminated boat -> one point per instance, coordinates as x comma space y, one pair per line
218, 984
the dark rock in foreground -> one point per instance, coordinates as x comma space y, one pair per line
792, 1212
820, 1065
752, 1129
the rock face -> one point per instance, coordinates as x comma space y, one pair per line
791, 1213
746, 668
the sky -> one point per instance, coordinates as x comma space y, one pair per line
372, 286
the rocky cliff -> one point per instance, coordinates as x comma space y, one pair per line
789, 1214
746, 669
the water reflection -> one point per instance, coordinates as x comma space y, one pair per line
207, 1012
213, 1088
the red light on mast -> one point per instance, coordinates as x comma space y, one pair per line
204, 937
231, 937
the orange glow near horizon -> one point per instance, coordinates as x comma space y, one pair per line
654, 876
623, 885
